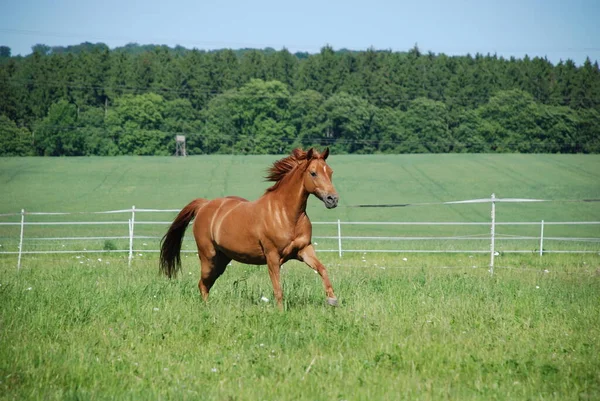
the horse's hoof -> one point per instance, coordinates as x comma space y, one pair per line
332, 301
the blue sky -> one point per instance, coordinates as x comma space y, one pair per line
558, 30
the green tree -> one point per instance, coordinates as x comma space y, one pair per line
588, 139
387, 130
134, 124
14, 141
194, 78
254, 119
307, 118
468, 133
513, 122
252, 66
223, 71
321, 72
97, 138
57, 133
510, 118
348, 123
281, 66
9, 89
426, 127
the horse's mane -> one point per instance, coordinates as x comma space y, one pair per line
283, 167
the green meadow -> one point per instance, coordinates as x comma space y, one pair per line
87, 326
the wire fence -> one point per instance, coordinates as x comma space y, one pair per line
134, 231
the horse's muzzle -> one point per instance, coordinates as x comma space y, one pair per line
330, 201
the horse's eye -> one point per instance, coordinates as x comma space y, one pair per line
313, 173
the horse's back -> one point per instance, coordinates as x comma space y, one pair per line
214, 208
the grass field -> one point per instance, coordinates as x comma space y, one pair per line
93, 184
410, 326
404, 330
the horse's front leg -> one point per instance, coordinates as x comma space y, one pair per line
309, 256
274, 264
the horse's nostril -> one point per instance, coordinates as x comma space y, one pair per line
331, 199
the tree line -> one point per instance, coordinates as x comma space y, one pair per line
91, 100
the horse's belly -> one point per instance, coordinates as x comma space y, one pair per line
244, 256
239, 242
241, 247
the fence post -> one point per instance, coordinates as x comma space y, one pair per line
542, 239
131, 227
493, 235
21, 239
339, 238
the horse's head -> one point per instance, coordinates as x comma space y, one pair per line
317, 178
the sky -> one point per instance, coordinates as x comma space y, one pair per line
557, 30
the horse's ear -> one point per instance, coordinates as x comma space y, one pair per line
309, 154
325, 154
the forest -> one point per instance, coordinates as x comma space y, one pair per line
89, 99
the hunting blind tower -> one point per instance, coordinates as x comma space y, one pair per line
180, 145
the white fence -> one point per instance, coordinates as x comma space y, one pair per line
338, 243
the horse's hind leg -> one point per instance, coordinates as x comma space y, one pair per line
210, 270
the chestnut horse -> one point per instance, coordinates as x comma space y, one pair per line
270, 230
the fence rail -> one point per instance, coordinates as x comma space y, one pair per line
342, 243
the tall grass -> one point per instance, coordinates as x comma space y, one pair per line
428, 327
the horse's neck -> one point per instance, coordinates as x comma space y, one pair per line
291, 197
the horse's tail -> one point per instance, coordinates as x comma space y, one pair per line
170, 244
